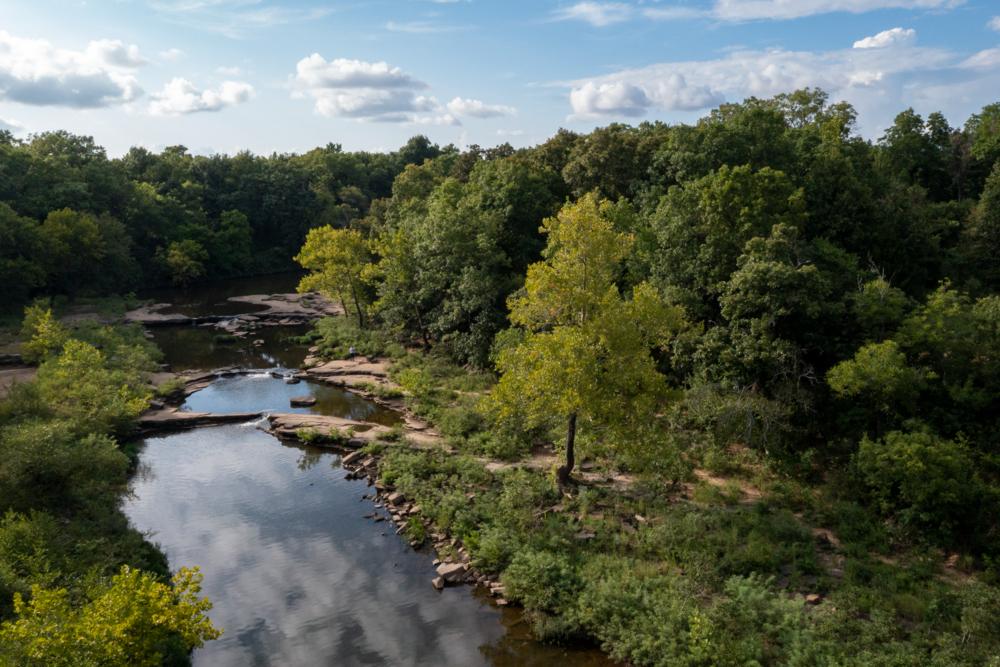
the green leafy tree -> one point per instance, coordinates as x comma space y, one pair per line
81, 386
185, 261
927, 482
336, 259
703, 226
44, 336
22, 264
880, 380
584, 356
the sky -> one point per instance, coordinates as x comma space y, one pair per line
220, 76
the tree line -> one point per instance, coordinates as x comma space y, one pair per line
74, 222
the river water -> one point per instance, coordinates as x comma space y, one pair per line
297, 574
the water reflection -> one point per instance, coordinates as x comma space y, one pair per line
298, 577
260, 392
213, 299
197, 348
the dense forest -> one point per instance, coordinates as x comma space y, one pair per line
74, 222
763, 290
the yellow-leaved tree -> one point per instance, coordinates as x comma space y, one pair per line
131, 621
583, 350
335, 259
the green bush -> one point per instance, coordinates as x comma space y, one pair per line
926, 482
541, 580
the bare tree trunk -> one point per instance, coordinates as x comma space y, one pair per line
565, 470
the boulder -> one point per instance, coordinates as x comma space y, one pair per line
292, 380
303, 401
351, 458
396, 498
438, 583
814, 598
452, 573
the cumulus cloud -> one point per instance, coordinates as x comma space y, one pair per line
701, 84
373, 91
994, 23
32, 71
316, 72
461, 106
180, 97
598, 14
887, 38
614, 98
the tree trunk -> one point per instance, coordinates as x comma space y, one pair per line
357, 305
564, 471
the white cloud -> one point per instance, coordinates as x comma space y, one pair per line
445, 119
316, 72
887, 38
422, 27
234, 18
180, 96
994, 23
170, 55
115, 53
12, 126
861, 73
744, 10
602, 14
32, 71
373, 91
461, 106
985, 59
614, 98
598, 14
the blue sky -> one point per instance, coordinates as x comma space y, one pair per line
284, 75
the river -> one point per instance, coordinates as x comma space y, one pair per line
297, 574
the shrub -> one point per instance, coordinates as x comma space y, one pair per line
925, 481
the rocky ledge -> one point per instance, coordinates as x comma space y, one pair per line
268, 310
173, 419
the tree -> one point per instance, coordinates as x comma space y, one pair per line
133, 620
22, 268
584, 351
233, 243
336, 259
984, 231
878, 378
185, 261
44, 336
702, 228
82, 386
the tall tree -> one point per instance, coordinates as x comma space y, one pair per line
583, 354
336, 259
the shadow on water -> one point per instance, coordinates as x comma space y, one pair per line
189, 348
213, 299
